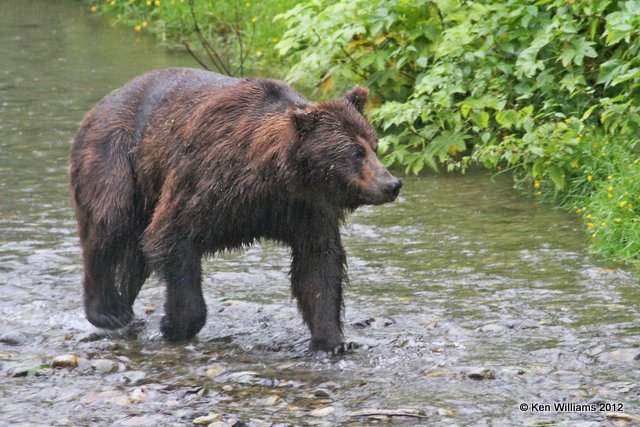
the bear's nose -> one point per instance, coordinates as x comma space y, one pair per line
393, 188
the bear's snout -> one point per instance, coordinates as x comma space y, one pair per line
393, 189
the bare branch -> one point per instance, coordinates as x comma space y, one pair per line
211, 52
195, 56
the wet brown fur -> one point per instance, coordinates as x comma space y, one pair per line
181, 163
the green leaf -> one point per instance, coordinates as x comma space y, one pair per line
587, 113
481, 119
556, 175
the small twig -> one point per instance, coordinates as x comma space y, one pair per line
211, 52
194, 56
236, 30
386, 413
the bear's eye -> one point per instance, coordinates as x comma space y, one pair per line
357, 152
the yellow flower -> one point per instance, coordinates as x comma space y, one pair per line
93, 9
623, 203
609, 188
617, 220
603, 224
275, 40
149, 3
588, 216
254, 20
594, 235
145, 24
258, 53
630, 206
157, 2
567, 120
590, 226
536, 184
578, 138
589, 178
113, 2
609, 177
610, 196
138, 28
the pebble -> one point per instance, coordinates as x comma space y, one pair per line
206, 420
104, 366
446, 412
330, 385
142, 420
626, 355
322, 392
65, 361
215, 370
491, 328
322, 412
139, 395
134, 377
269, 401
13, 338
481, 374
21, 371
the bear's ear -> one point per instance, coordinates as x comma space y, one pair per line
304, 120
358, 97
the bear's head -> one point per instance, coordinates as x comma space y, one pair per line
336, 153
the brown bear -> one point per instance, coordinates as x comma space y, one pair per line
181, 163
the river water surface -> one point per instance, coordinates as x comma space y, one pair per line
474, 305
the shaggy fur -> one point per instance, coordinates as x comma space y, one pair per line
181, 163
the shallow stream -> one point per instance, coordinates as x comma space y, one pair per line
470, 300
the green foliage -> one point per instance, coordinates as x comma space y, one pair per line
523, 86
241, 32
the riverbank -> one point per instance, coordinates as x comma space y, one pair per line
564, 126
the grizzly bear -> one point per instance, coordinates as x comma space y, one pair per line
181, 163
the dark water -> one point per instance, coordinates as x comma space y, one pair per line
482, 300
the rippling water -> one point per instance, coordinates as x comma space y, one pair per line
469, 298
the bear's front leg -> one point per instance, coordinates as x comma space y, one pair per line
318, 273
185, 311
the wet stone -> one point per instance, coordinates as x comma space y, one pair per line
331, 385
322, 412
215, 370
206, 420
134, 377
65, 361
491, 328
268, 401
322, 392
481, 374
104, 366
91, 336
625, 355
21, 371
13, 338
142, 420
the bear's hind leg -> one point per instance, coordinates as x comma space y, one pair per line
133, 271
104, 306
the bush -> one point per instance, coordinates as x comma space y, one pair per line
547, 90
